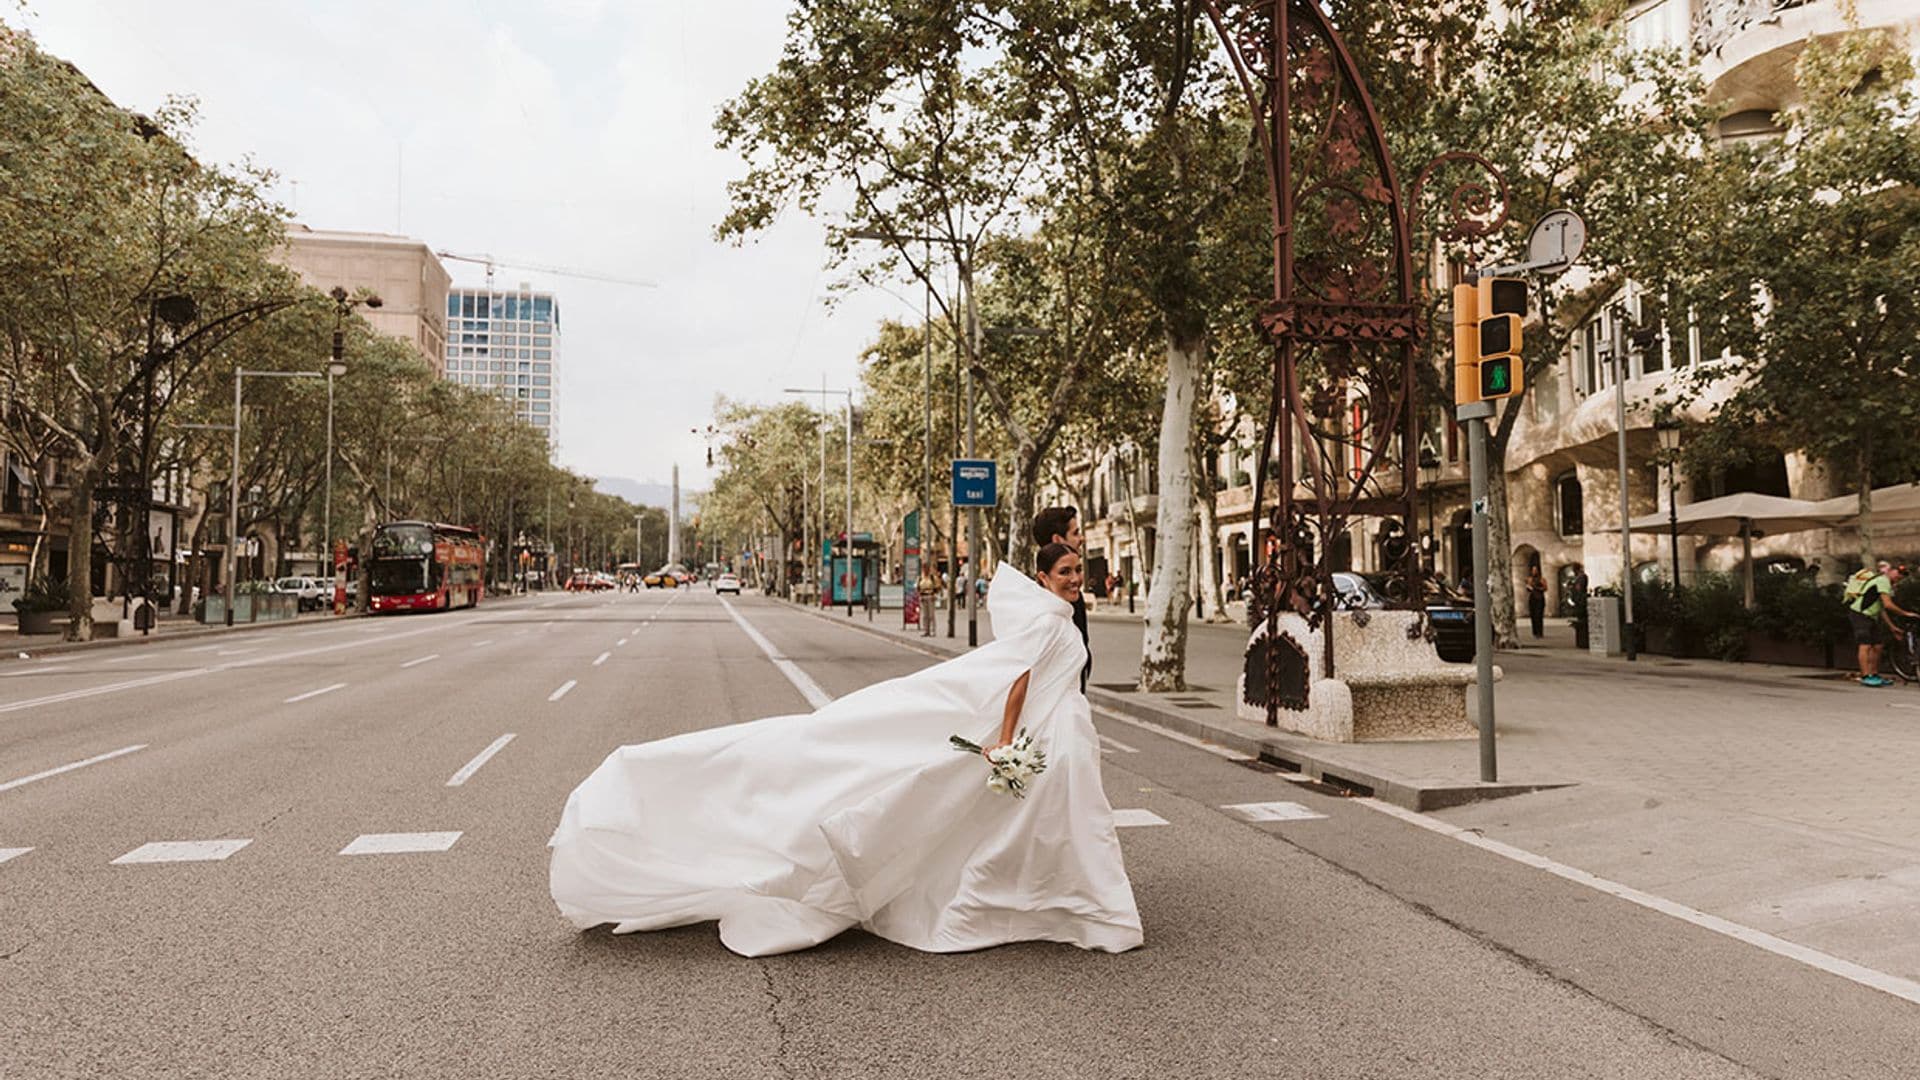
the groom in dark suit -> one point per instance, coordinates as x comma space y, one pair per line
1061, 525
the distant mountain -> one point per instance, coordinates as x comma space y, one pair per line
646, 494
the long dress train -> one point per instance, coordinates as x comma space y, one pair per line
792, 829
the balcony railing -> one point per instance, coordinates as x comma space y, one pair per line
1717, 21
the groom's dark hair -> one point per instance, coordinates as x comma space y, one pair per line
1051, 522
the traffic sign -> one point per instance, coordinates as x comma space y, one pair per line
975, 483
1556, 240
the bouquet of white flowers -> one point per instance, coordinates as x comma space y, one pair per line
1014, 765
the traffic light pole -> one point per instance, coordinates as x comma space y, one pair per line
1475, 415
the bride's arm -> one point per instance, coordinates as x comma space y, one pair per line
1016, 700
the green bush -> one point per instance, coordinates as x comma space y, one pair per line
1794, 607
43, 595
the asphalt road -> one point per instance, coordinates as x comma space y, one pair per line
1338, 941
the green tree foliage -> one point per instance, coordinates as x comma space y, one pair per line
1818, 274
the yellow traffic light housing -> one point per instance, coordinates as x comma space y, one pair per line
1487, 318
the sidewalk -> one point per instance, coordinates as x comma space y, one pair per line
1780, 798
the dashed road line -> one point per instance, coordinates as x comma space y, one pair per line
565, 687
481, 644
1272, 811
421, 660
601, 659
399, 843
67, 768
37, 668
8, 854
471, 767
619, 643
314, 693
166, 851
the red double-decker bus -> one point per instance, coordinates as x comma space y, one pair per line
425, 566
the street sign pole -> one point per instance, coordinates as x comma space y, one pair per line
975, 484
1475, 416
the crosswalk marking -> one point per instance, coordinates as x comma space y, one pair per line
1272, 811
9, 853
164, 851
1134, 817
399, 843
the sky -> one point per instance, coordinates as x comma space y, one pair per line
572, 133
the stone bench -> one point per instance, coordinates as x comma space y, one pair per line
1388, 682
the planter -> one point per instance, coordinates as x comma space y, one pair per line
42, 622
1765, 649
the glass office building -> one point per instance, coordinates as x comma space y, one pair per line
507, 342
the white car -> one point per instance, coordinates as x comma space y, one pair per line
313, 592
727, 583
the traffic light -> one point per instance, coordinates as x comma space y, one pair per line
1487, 317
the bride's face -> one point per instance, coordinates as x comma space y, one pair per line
1065, 579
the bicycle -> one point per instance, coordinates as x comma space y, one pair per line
1903, 650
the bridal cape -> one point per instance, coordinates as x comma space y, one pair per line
792, 829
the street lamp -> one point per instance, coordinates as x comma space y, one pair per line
1667, 426
233, 486
343, 305
1429, 476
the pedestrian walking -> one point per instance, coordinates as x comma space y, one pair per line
1537, 601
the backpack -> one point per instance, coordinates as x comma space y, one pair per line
1857, 584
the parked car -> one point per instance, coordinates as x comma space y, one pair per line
727, 583
314, 593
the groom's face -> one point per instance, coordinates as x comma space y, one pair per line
1072, 538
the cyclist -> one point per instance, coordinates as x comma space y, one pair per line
1870, 600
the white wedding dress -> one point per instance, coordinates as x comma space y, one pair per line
792, 829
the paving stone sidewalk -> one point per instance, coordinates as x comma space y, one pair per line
1781, 798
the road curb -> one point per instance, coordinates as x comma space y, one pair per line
1289, 753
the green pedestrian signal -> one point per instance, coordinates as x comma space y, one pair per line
1496, 377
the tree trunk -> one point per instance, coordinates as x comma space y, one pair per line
1499, 553
1866, 508
80, 548
1205, 496
1163, 650
1141, 554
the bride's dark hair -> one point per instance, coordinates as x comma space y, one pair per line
1051, 555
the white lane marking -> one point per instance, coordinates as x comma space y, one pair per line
245, 662
801, 681
10, 853
1900, 705
238, 652
314, 693
1198, 744
619, 643
1115, 744
396, 843
181, 851
56, 771
481, 644
544, 625
124, 659
562, 692
601, 659
1135, 818
471, 767
1272, 811
421, 660
37, 668
203, 648
1878, 980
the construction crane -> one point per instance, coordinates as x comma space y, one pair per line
490, 262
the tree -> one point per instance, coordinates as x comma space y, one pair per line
1817, 290
107, 215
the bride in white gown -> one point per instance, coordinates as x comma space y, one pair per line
792, 829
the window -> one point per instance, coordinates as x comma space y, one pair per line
542, 369
542, 354
542, 341
541, 406
526, 354
542, 380
543, 307
542, 395
453, 306
1569, 507
466, 306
